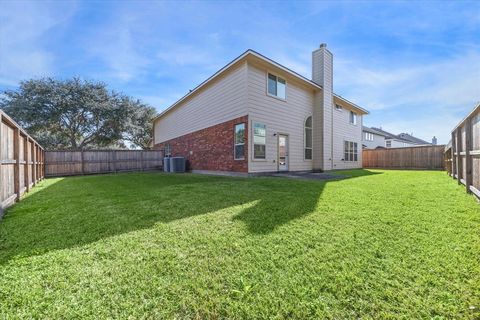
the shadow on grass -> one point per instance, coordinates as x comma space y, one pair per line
75, 211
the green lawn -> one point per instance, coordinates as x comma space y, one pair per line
380, 244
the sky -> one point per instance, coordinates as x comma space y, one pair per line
414, 65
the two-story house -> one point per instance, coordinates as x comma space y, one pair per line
255, 115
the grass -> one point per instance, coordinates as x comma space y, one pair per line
381, 244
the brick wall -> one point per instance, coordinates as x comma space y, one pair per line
210, 148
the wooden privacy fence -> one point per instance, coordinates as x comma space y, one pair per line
21, 165
422, 157
70, 163
463, 156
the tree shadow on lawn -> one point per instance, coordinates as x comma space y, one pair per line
80, 210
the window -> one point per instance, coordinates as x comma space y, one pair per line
368, 136
259, 140
239, 142
338, 107
167, 150
308, 138
350, 151
388, 143
276, 86
353, 117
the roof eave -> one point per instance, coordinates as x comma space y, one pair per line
360, 109
201, 85
226, 67
268, 60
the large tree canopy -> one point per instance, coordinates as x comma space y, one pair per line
79, 114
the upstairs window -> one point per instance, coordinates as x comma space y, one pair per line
368, 136
338, 107
353, 117
259, 140
277, 86
308, 138
388, 144
239, 142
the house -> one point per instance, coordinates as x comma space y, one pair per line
255, 115
374, 138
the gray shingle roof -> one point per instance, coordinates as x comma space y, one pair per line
405, 137
412, 139
386, 134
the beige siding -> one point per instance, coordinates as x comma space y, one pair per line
224, 99
322, 71
318, 116
343, 130
286, 117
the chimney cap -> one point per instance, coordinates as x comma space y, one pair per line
323, 45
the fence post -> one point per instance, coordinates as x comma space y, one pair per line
114, 160
37, 173
468, 158
16, 168
25, 166
141, 160
34, 164
42, 164
454, 159
459, 158
83, 162
34, 160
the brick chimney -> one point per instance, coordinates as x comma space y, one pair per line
322, 74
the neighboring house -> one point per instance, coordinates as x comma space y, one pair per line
373, 139
255, 115
378, 138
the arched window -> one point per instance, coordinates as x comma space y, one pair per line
308, 138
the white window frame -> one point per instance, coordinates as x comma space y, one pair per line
350, 151
338, 107
253, 141
276, 81
235, 144
305, 138
388, 143
353, 116
369, 136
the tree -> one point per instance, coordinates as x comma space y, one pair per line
78, 114
139, 127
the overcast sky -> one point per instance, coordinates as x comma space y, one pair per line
414, 65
